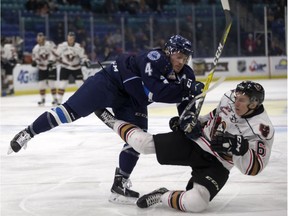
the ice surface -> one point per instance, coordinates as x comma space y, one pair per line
69, 170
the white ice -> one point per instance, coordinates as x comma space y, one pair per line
69, 170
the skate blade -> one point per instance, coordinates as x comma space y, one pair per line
10, 150
119, 199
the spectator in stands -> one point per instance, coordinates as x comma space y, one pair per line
73, 2
156, 5
86, 5
116, 37
130, 42
122, 6
250, 45
98, 49
275, 49
77, 25
191, 1
52, 5
31, 5
143, 7
43, 8
62, 2
260, 47
110, 7
59, 33
142, 39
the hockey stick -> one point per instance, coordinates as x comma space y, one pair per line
203, 94
228, 17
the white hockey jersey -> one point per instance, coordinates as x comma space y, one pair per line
42, 54
256, 128
71, 57
8, 53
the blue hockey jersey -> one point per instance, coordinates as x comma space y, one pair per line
149, 77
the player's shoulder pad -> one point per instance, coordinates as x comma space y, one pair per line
77, 45
264, 129
261, 124
36, 47
159, 60
188, 71
63, 44
51, 43
154, 55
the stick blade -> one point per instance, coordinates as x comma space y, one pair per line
225, 5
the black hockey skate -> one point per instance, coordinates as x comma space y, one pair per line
151, 199
20, 140
55, 102
121, 192
42, 102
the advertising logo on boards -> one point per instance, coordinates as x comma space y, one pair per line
282, 65
25, 77
241, 66
256, 67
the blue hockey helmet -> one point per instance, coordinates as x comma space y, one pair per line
253, 90
176, 44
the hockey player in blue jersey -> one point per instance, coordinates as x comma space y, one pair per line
127, 86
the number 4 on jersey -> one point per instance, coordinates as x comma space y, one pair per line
148, 69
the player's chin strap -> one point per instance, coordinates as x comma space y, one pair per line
249, 109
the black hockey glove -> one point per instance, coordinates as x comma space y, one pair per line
12, 62
174, 123
191, 128
192, 87
226, 142
34, 64
50, 65
87, 64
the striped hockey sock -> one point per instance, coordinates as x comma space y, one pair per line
174, 200
124, 129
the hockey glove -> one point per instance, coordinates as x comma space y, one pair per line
34, 64
226, 142
87, 64
50, 65
174, 123
194, 88
191, 127
12, 62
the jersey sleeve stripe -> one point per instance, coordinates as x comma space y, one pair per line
254, 166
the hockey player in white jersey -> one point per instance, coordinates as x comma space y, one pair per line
43, 57
71, 57
238, 133
9, 58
